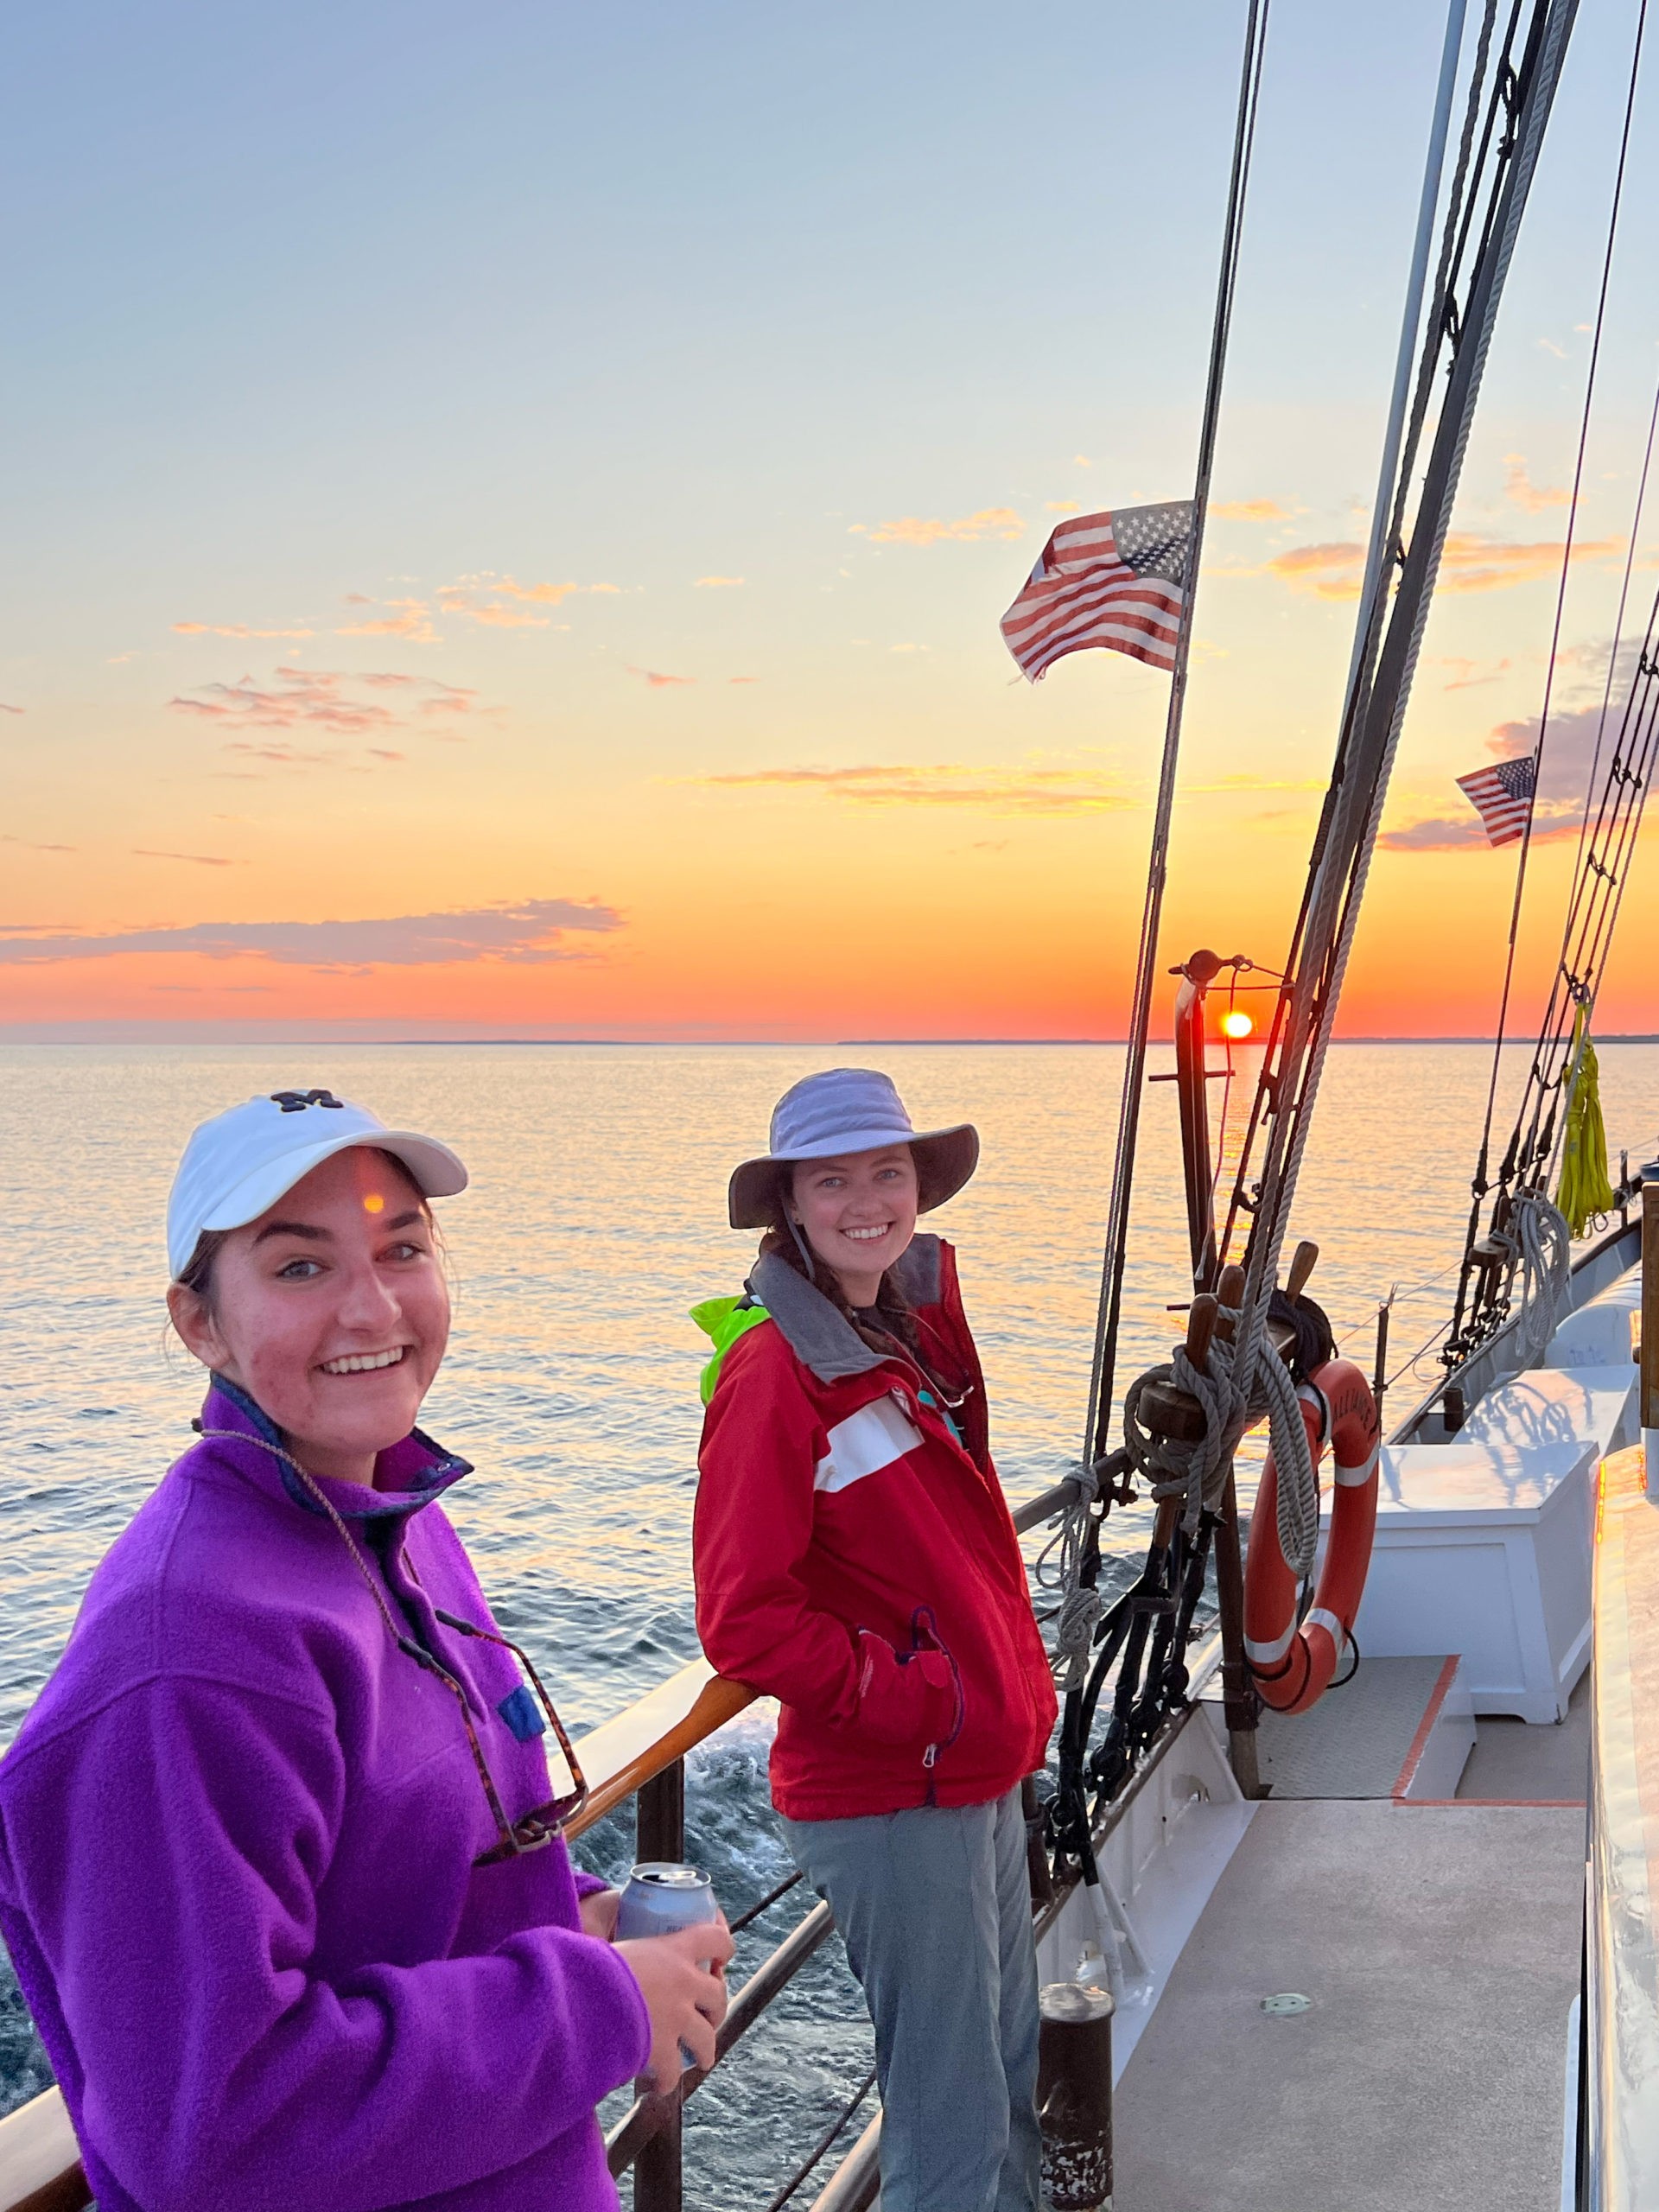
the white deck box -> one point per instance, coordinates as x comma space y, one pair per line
1483, 1549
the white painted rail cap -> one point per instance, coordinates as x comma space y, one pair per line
1441, 1484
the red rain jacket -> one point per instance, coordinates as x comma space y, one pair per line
856, 1561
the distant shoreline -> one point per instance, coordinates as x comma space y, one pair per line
719, 1044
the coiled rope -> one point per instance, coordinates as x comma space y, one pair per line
1541, 1245
1195, 1470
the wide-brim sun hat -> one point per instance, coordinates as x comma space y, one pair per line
846, 1110
242, 1162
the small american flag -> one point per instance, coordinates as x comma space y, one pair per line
1502, 796
1116, 580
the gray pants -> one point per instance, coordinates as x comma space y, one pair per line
935, 1907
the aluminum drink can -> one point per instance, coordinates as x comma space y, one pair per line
662, 1897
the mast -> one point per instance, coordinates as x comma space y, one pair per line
1522, 93
1098, 1420
1509, 107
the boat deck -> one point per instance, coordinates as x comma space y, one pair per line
1439, 1946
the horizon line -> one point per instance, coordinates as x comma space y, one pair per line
769, 1043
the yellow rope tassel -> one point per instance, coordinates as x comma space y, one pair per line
1584, 1191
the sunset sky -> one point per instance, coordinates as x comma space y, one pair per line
507, 511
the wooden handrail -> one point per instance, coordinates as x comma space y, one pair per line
718, 1701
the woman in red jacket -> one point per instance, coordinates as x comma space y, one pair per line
856, 1560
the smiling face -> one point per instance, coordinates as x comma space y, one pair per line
330, 1311
858, 1213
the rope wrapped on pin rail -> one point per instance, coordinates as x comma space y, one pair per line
1195, 1470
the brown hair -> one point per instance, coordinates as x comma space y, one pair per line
197, 1274
779, 1243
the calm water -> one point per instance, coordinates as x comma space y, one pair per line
596, 1219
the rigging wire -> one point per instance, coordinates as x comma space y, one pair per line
1619, 624
1101, 1371
1607, 831
1560, 601
1371, 732
823, 2144
1443, 327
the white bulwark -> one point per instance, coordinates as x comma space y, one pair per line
1484, 1549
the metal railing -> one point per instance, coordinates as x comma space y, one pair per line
641, 1755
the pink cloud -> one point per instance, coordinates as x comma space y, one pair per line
657, 680
326, 702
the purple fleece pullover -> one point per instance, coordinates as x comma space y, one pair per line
236, 1842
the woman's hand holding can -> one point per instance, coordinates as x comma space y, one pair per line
680, 1979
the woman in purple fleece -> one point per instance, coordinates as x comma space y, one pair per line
280, 1868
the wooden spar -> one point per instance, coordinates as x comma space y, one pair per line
1192, 1074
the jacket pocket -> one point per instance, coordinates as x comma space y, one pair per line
907, 1699
925, 1639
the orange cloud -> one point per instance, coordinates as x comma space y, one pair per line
718, 583
1469, 563
1518, 487
411, 620
1250, 511
1333, 570
503, 603
998, 791
913, 530
657, 681
233, 630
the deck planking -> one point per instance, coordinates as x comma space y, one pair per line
1440, 1946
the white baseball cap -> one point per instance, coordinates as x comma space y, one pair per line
243, 1160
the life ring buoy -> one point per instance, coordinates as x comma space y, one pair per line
1292, 1665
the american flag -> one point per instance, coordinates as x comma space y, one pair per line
1502, 796
1116, 580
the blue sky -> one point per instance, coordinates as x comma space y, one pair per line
350, 337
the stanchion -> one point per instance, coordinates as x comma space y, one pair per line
1074, 2096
